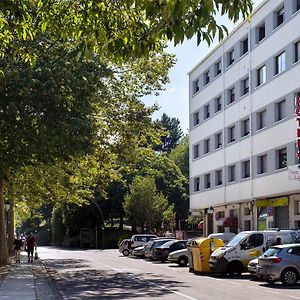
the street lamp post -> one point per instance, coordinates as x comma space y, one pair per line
102, 225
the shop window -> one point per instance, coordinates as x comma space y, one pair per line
247, 211
297, 208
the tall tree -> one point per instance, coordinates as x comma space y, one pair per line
144, 205
172, 133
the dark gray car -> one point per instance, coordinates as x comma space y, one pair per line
154, 243
280, 263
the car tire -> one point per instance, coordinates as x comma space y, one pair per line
235, 268
125, 252
183, 261
289, 276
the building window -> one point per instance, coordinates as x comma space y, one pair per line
261, 75
230, 58
281, 156
206, 77
262, 164
231, 134
218, 104
280, 110
280, 63
206, 112
218, 68
218, 177
196, 86
196, 118
218, 140
244, 46
245, 127
196, 184
231, 95
297, 207
245, 86
207, 181
247, 211
196, 151
206, 146
279, 17
260, 32
297, 51
246, 169
231, 173
261, 119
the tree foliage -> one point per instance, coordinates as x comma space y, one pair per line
115, 29
171, 135
144, 205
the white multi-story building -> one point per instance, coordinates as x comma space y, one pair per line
243, 127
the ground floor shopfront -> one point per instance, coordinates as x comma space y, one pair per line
259, 214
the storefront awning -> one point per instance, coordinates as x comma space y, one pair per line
283, 201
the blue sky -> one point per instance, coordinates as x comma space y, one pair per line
174, 101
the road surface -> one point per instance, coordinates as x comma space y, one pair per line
107, 274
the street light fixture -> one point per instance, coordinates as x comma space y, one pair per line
210, 210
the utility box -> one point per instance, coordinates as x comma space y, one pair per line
199, 251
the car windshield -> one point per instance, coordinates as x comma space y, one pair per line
271, 252
237, 239
160, 242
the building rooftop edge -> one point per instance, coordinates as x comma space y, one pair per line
230, 34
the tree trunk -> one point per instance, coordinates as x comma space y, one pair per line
121, 223
3, 242
11, 229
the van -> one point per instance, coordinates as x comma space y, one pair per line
138, 240
224, 236
245, 246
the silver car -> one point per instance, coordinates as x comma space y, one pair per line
280, 263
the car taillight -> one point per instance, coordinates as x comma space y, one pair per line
276, 260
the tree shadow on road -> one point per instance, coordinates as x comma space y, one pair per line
107, 284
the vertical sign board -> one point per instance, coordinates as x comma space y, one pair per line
297, 113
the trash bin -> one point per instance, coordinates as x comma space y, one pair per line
199, 251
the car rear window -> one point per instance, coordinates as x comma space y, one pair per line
271, 252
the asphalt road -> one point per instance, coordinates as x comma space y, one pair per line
106, 274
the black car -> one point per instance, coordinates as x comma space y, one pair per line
161, 252
155, 243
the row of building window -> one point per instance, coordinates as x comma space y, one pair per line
280, 66
261, 122
260, 34
281, 162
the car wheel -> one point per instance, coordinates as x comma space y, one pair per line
182, 261
235, 268
125, 252
289, 277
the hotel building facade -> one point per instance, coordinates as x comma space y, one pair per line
243, 131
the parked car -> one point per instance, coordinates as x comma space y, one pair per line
138, 240
139, 251
161, 252
252, 267
154, 243
280, 263
180, 257
124, 246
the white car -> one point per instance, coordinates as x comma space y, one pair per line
180, 257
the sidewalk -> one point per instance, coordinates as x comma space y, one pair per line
26, 281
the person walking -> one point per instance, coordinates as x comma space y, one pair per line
17, 244
30, 244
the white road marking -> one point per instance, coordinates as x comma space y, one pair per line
177, 293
